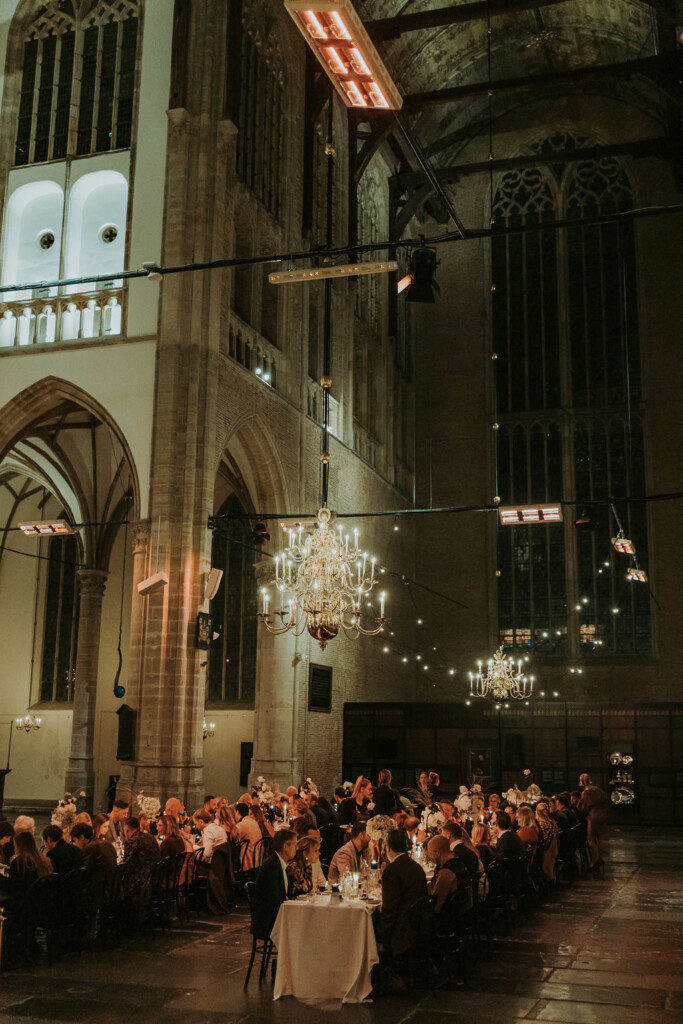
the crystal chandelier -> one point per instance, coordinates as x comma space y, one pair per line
502, 681
321, 580
27, 723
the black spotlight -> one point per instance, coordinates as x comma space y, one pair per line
586, 519
260, 533
422, 270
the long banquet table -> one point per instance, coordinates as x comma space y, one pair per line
325, 951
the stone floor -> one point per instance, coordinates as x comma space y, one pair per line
608, 951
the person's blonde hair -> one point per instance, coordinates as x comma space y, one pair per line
542, 813
361, 783
480, 834
306, 842
525, 817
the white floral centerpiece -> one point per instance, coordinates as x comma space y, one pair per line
433, 819
64, 814
264, 791
380, 826
308, 787
150, 806
348, 788
466, 801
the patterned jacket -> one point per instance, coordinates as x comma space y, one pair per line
142, 853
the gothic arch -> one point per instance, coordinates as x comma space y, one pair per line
254, 453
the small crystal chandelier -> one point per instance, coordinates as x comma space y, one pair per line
502, 681
27, 723
208, 730
322, 580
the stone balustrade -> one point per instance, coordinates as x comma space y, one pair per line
254, 352
52, 318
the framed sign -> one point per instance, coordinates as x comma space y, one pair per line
204, 631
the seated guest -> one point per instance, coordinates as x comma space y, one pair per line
403, 882
301, 827
411, 826
173, 841
434, 785
247, 799
83, 819
291, 794
340, 795
511, 811
6, 842
272, 881
450, 875
350, 855
301, 810
481, 840
328, 810
210, 805
99, 861
212, 835
99, 826
546, 824
140, 855
356, 807
560, 809
28, 864
300, 867
527, 830
447, 809
117, 815
64, 856
266, 829
508, 843
494, 803
248, 830
227, 819
317, 873
24, 824
385, 798
176, 809
467, 855
145, 823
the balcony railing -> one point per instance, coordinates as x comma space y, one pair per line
253, 352
51, 318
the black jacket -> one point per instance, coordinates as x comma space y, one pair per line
348, 811
386, 800
65, 857
403, 882
509, 845
269, 894
468, 858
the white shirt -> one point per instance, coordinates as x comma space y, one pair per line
248, 829
283, 865
318, 875
212, 836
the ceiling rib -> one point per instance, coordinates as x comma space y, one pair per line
391, 28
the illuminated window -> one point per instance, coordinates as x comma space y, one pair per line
589, 270
232, 658
77, 58
60, 632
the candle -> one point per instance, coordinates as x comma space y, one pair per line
381, 604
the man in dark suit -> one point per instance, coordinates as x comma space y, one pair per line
403, 882
64, 856
99, 861
453, 833
270, 890
508, 843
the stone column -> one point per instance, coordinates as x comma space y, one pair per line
80, 772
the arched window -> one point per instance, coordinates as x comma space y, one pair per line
77, 82
546, 601
60, 633
232, 658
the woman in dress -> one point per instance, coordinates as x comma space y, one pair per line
356, 807
225, 817
173, 841
528, 830
481, 841
28, 864
267, 830
300, 868
593, 804
547, 825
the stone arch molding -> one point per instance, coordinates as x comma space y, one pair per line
253, 449
35, 437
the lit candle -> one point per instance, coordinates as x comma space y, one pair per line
381, 604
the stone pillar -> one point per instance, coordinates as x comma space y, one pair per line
80, 773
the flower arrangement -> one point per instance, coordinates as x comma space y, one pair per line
432, 819
65, 812
348, 788
149, 805
264, 791
469, 800
308, 787
380, 826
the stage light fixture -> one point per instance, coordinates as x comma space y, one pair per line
637, 575
422, 269
516, 515
623, 545
586, 519
346, 53
47, 528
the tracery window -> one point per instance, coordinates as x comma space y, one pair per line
60, 632
367, 232
232, 658
77, 79
567, 394
259, 108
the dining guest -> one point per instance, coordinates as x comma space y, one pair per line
450, 874
357, 806
447, 809
176, 809
423, 794
403, 882
210, 804
99, 827
340, 795
560, 809
173, 841
83, 819
248, 830
266, 829
6, 842
434, 785
481, 841
145, 824
28, 864
528, 830
64, 856
272, 881
317, 873
301, 811
141, 853
547, 825
99, 861
24, 823
291, 793
247, 799
464, 852
300, 867
508, 843
227, 819
117, 815
323, 805
350, 855
411, 827
494, 803
385, 798
593, 803
212, 835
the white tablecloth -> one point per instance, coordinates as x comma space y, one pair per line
325, 952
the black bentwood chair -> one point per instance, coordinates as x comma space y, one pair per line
263, 946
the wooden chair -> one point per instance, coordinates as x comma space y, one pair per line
262, 947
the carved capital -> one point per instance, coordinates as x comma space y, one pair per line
92, 581
139, 536
179, 121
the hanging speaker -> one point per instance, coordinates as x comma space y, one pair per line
212, 581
